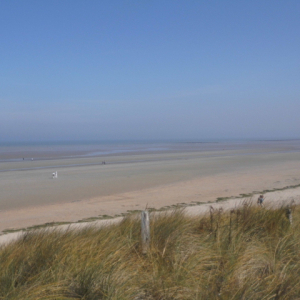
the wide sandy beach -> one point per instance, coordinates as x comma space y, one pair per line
87, 188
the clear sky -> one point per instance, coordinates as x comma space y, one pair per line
105, 70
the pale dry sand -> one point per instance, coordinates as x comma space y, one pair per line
272, 199
88, 189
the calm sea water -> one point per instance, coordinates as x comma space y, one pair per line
56, 150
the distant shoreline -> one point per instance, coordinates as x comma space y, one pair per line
18, 152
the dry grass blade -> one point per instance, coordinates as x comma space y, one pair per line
248, 253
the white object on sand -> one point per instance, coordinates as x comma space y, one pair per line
54, 175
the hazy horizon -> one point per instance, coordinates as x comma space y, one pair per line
127, 70
66, 142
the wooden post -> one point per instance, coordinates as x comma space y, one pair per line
211, 211
289, 215
230, 223
145, 231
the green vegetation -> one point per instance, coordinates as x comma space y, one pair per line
247, 253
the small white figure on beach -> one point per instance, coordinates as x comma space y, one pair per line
54, 175
260, 200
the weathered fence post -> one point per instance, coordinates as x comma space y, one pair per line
145, 231
211, 211
230, 224
289, 215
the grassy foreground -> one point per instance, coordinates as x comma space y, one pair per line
248, 253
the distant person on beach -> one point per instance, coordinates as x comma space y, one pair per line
260, 200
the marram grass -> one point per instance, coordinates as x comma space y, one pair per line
248, 253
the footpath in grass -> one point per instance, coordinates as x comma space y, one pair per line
246, 253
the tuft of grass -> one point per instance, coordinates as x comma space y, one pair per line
220, 199
246, 253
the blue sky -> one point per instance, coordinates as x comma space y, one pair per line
106, 70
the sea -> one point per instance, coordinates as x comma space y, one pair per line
22, 151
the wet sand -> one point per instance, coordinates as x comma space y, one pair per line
86, 188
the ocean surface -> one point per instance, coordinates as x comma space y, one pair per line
15, 152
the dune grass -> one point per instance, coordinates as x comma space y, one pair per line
247, 253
